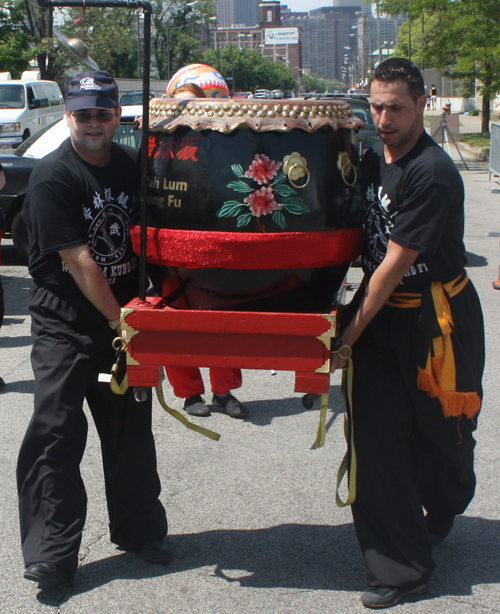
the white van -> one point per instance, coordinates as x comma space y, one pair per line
27, 105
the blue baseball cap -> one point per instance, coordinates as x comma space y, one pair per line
93, 89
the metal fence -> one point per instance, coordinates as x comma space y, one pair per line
447, 88
494, 161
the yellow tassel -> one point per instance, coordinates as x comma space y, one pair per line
454, 403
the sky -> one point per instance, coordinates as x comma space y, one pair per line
308, 5
305, 5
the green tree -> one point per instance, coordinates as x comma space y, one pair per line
248, 70
314, 83
178, 30
111, 36
463, 39
37, 23
14, 52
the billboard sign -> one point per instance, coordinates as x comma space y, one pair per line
281, 36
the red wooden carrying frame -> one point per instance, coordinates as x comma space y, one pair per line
159, 336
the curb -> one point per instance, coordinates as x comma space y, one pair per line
479, 155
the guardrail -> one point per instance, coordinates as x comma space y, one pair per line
494, 160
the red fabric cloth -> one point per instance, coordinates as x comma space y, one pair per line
194, 249
187, 381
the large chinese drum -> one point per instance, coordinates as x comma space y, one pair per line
252, 205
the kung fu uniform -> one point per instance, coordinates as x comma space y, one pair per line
409, 454
71, 202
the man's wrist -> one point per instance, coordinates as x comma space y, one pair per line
341, 349
114, 324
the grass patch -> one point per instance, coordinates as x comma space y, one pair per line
477, 139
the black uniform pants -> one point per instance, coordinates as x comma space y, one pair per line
72, 344
409, 455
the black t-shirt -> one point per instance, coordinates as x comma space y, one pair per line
417, 202
1, 216
71, 202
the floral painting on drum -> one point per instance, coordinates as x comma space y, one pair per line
274, 196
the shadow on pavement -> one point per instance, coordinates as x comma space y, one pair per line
312, 557
262, 413
14, 342
473, 260
306, 557
22, 386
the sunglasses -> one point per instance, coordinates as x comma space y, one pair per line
82, 117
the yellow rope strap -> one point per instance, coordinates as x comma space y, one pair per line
349, 462
119, 368
121, 388
178, 416
320, 436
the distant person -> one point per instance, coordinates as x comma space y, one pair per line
2, 308
187, 91
187, 381
434, 94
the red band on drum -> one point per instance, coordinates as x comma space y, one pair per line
194, 249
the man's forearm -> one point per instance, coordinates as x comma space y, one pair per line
381, 285
89, 278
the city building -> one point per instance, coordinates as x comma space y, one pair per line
237, 12
341, 41
276, 42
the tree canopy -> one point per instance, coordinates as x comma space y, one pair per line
462, 37
14, 52
177, 34
248, 70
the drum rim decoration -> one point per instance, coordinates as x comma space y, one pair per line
226, 115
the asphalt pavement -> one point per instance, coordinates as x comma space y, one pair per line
252, 518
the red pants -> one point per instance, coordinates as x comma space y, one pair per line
186, 381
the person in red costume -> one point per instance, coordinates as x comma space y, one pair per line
187, 381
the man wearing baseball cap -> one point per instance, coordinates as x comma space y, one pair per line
78, 212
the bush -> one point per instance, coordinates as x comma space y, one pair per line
474, 112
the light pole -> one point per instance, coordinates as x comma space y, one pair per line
362, 37
139, 44
348, 64
169, 29
213, 20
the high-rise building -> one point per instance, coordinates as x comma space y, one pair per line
237, 12
342, 41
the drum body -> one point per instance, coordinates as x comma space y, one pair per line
251, 212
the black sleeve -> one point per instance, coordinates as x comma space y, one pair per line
56, 215
427, 195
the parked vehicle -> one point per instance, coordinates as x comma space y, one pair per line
360, 106
242, 95
19, 165
278, 94
263, 94
131, 98
26, 106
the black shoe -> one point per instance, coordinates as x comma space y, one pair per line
156, 551
230, 405
2, 383
438, 528
196, 406
48, 573
387, 596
